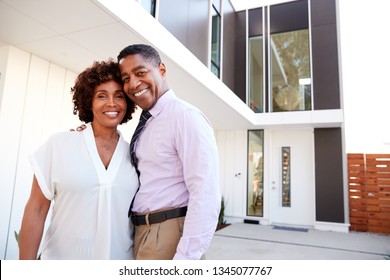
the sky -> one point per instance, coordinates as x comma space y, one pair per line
365, 73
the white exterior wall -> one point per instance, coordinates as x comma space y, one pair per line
35, 102
232, 145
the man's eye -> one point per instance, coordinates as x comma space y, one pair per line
125, 80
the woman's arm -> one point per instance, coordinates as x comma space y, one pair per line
33, 223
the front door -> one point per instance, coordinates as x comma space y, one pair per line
292, 177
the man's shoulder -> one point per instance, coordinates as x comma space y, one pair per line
179, 105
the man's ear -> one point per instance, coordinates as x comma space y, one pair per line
162, 68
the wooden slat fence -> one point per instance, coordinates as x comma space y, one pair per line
369, 192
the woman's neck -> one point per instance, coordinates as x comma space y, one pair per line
106, 140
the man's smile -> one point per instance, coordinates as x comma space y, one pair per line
138, 94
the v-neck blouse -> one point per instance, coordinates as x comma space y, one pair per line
89, 216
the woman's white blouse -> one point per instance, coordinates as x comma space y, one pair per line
89, 218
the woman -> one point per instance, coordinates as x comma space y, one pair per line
88, 176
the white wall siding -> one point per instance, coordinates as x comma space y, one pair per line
232, 152
36, 103
14, 81
30, 136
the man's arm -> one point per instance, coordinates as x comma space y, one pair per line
199, 155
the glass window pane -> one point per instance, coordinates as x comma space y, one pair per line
286, 178
149, 5
290, 67
215, 70
256, 74
255, 173
215, 38
217, 5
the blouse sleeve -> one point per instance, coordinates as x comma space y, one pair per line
41, 163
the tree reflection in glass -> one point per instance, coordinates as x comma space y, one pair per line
290, 65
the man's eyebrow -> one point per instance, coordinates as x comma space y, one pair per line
138, 68
134, 69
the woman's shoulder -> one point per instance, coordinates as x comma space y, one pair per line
64, 136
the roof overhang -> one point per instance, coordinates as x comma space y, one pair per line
74, 33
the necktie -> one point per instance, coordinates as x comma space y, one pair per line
145, 115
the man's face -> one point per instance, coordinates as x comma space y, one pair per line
143, 81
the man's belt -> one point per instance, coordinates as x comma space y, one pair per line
158, 217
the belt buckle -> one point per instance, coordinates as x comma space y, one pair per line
147, 219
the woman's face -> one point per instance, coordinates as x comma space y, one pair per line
108, 105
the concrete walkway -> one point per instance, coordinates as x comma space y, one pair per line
255, 242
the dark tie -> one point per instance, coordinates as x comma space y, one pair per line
145, 115
142, 121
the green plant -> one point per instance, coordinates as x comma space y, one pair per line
221, 221
17, 236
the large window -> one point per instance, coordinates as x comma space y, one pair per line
215, 41
279, 76
255, 173
290, 67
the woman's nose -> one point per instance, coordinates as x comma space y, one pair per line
111, 101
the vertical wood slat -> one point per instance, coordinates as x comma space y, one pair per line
378, 186
357, 192
369, 192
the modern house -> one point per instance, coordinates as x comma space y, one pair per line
268, 78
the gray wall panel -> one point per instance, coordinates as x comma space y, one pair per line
326, 79
240, 56
198, 25
228, 59
325, 68
329, 175
324, 11
188, 21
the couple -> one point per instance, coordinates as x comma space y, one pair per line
172, 188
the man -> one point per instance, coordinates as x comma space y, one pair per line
175, 211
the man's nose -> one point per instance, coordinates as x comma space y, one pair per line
134, 83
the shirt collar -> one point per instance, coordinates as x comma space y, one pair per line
161, 102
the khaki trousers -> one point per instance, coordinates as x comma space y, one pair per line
158, 241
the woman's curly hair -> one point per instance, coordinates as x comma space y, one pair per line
88, 80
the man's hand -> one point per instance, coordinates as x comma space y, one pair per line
79, 128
